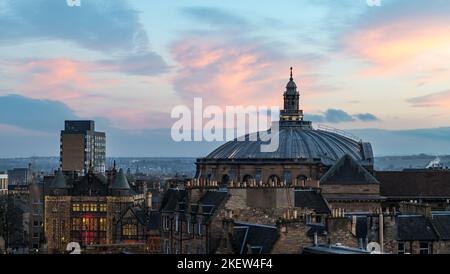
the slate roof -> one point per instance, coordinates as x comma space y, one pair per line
414, 183
320, 229
347, 171
120, 181
333, 249
150, 219
294, 143
213, 198
260, 238
171, 198
441, 224
311, 199
59, 182
89, 185
415, 228
176, 199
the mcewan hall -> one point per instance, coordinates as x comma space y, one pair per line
317, 193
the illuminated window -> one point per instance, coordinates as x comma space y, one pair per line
90, 224
103, 207
102, 224
76, 224
93, 207
85, 207
129, 230
76, 207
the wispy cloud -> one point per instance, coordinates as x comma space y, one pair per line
439, 99
214, 16
340, 116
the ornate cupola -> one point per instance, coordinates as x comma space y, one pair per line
292, 115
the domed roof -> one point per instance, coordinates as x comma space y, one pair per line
291, 87
296, 143
298, 140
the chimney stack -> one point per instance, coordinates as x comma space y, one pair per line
149, 199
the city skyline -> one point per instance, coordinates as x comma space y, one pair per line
116, 63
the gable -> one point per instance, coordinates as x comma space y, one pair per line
347, 172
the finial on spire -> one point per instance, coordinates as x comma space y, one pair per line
291, 75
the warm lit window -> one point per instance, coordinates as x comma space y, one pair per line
85, 207
76, 207
93, 207
102, 224
129, 230
90, 224
76, 224
102, 207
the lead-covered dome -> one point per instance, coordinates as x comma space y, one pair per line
296, 143
298, 140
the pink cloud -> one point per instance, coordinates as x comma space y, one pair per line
395, 46
85, 88
226, 71
59, 79
439, 99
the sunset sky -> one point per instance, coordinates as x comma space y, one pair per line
126, 64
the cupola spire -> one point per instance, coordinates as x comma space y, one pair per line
292, 115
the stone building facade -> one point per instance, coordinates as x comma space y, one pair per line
85, 210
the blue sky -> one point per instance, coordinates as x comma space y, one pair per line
126, 64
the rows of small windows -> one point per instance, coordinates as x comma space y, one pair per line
129, 230
167, 249
188, 227
89, 224
407, 248
89, 207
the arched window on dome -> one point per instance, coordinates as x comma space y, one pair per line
273, 180
248, 180
301, 180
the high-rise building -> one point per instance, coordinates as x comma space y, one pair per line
82, 146
20, 176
